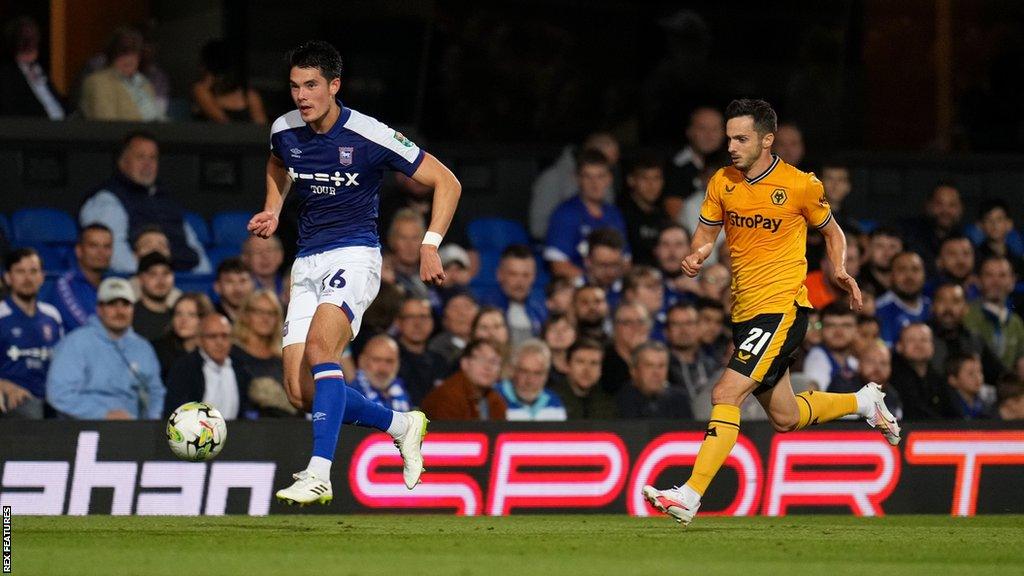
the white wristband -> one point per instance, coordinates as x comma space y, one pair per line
432, 239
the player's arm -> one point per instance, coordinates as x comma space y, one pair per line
447, 190
835, 248
703, 242
264, 224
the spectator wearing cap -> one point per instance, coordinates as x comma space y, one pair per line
524, 309
457, 266
133, 200
74, 293
120, 91
209, 373
104, 370
153, 310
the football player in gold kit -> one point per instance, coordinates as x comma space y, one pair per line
766, 207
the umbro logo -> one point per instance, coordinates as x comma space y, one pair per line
319, 417
295, 152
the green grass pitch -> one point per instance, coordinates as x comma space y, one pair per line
520, 545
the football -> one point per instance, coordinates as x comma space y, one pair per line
196, 432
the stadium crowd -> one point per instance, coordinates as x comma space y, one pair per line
584, 314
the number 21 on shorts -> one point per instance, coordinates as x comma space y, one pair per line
336, 281
755, 341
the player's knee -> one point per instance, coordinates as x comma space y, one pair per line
720, 395
786, 423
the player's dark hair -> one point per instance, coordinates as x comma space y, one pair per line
583, 344
591, 157
17, 255
231, 266
765, 119
91, 228
607, 237
837, 308
132, 136
520, 251
317, 54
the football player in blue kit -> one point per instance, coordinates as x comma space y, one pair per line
333, 158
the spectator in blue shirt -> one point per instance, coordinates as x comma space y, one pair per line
74, 293
524, 309
104, 370
377, 377
524, 393
574, 219
606, 262
905, 302
29, 330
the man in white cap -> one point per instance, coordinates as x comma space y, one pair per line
104, 370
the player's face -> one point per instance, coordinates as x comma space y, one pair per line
673, 245
312, 93
380, 364
95, 250
458, 316
746, 146
560, 335
25, 277
528, 376
651, 372
647, 184
140, 161
516, 276
585, 368
157, 282
683, 329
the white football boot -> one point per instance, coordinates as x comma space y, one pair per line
307, 489
672, 502
409, 445
871, 405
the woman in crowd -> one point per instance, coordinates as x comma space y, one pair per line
183, 337
558, 333
258, 349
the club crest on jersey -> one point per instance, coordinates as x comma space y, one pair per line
345, 155
779, 197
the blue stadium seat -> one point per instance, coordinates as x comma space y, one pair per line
230, 228
199, 226
36, 226
495, 234
56, 258
187, 282
218, 254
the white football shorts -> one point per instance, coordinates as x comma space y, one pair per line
347, 277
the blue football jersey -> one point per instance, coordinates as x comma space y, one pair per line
337, 175
27, 343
